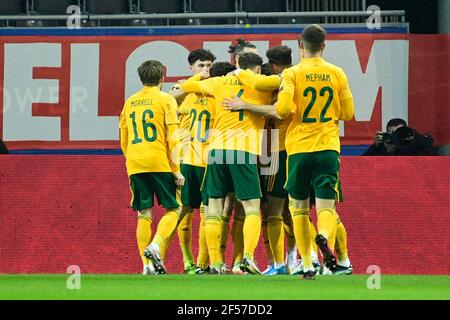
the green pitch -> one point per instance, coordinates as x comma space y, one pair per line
212, 287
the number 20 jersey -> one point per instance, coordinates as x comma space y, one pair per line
199, 109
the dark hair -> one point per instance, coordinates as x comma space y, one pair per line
3, 148
240, 46
313, 37
220, 69
266, 69
396, 122
249, 60
280, 55
150, 72
200, 54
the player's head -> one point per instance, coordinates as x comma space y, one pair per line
312, 41
220, 69
266, 69
200, 60
280, 58
240, 48
151, 73
251, 61
394, 124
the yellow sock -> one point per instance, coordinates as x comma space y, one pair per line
166, 228
332, 240
202, 259
238, 240
163, 249
300, 218
290, 236
276, 237
224, 225
313, 230
341, 241
251, 231
327, 223
143, 235
185, 236
267, 242
212, 234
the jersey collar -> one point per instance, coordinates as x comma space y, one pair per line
150, 88
312, 60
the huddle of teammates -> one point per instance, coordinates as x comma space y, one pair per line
200, 147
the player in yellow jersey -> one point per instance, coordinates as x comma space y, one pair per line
195, 111
344, 266
279, 59
316, 95
232, 160
241, 46
149, 139
201, 110
196, 154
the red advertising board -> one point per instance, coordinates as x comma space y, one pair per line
396, 215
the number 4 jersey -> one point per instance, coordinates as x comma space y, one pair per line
232, 130
146, 115
321, 97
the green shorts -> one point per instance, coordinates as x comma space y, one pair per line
145, 185
263, 184
339, 198
230, 170
275, 182
314, 170
191, 194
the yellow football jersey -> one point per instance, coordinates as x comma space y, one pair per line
267, 83
259, 81
233, 130
318, 95
185, 123
145, 116
183, 133
199, 109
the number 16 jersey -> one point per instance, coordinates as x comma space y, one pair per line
146, 115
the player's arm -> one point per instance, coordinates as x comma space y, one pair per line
257, 81
204, 87
123, 132
178, 93
286, 94
173, 140
346, 98
236, 104
183, 108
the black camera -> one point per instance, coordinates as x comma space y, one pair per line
388, 137
403, 137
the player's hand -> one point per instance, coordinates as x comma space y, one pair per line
233, 104
204, 74
179, 178
378, 138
